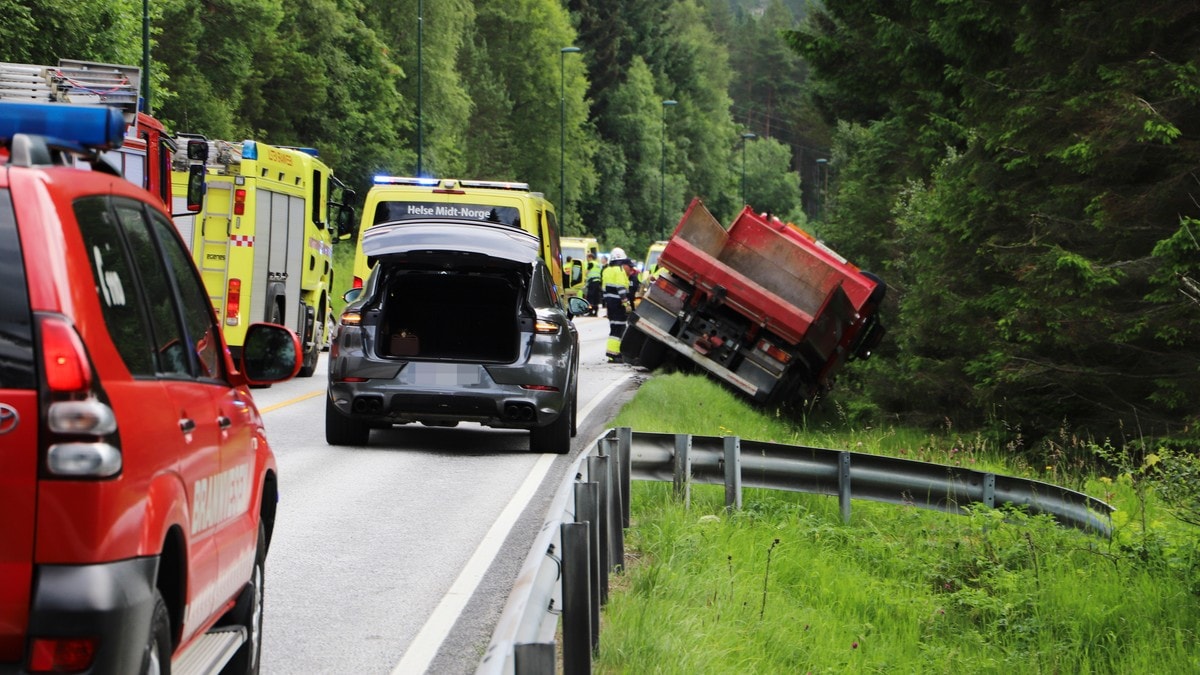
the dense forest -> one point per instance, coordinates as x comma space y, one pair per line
1023, 175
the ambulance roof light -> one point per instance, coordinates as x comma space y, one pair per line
405, 180
249, 150
78, 127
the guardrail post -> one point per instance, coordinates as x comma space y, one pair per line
616, 523
577, 595
624, 455
587, 510
598, 472
535, 658
683, 469
733, 473
844, 485
989, 490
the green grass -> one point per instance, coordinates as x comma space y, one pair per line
784, 587
343, 273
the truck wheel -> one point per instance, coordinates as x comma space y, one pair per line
343, 430
157, 658
310, 360
653, 354
631, 345
555, 437
248, 613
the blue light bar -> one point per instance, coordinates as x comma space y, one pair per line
310, 151
249, 150
90, 126
405, 180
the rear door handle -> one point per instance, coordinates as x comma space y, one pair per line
224, 422
187, 425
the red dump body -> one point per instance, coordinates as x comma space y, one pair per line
762, 304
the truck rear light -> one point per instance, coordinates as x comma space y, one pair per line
664, 284
239, 202
774, 352
61, 655
64, 359
233, 302
358, 282
83, 460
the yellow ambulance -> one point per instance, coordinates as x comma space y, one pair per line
398, 198
575, 250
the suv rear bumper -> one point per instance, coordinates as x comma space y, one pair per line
111, 601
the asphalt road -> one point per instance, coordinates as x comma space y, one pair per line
399, 557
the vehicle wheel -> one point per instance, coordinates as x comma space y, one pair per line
157, 658
574, 415
652, 355
343, 430
248, 613
555, 437
310, 360
631, 345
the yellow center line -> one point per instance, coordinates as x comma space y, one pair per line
304, 397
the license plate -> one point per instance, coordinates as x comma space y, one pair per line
444, 374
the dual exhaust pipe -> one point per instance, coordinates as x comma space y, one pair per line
519, 412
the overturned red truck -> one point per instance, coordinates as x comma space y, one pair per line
763, 306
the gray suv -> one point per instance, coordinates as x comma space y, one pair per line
460, 321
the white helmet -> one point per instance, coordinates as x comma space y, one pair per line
617, 254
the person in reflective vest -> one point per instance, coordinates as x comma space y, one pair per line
615, 278
594, 291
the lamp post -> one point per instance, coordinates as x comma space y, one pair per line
745, 137
420, 129
822, 167
562, 129
662, 170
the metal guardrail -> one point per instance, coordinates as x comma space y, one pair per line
582, 537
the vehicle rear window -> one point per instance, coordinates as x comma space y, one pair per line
16, 320
390, 211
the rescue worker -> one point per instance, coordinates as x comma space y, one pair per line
615, 278
594, 290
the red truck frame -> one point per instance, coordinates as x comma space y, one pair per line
762, 306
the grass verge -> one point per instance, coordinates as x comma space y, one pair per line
784, 586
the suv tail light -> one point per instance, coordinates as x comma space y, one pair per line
82, 429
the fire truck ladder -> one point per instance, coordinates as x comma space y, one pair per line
214, 247
73, 82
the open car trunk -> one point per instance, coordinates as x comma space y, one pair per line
451, 315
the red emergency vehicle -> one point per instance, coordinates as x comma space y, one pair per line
137, 487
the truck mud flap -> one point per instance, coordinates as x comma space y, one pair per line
656, 333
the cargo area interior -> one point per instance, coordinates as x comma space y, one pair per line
453, 316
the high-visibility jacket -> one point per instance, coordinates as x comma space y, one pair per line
615, 280
593, 270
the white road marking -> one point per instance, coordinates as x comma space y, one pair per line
429, 639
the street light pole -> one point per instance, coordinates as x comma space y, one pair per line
745, 137
662, 170
562, 130
822, 167
420, 129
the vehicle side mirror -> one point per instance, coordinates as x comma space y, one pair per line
195, 185
577, 306
352, 294
345, 222
270, 353
197, 150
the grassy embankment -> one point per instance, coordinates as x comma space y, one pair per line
785, 587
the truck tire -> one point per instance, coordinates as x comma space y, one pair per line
157, 658
310, 360
248, 613
652, 355
555, 437
343, 430
631, 345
